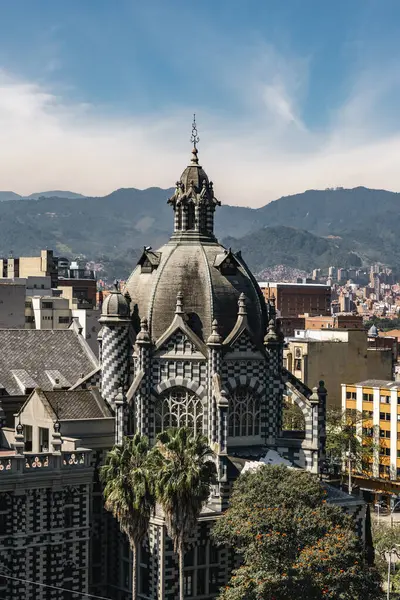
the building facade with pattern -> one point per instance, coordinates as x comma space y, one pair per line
191, 341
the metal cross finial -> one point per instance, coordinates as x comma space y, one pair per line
194, 138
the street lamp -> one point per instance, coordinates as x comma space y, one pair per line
394, 550
350, 457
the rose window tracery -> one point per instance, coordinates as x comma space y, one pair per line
179, 407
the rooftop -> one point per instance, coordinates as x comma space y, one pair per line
77, 405
265, 284
33, 358
378, 383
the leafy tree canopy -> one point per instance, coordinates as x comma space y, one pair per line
292, 542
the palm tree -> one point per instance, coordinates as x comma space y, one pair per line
128, 492
183, 474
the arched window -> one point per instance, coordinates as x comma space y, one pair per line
244, 413
178, 407
190, 216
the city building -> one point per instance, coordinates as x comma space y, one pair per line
380, 400
12, 305
337, 356
337, 321
44, 265
295, 299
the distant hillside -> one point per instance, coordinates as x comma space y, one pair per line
113, 228
5, 196
9, 196
294, 248
54, 193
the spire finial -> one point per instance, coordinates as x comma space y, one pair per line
194, 138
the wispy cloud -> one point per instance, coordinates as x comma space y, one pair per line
268, 151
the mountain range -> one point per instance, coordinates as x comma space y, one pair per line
317, 228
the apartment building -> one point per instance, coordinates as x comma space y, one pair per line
379, 400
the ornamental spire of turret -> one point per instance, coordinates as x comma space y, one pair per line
194, 202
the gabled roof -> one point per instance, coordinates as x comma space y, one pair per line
179, 325
30, 355
150, 255
227, 255
75, 405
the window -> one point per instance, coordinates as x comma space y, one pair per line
368, 397
384, 451
179, 407
368, 432
351, 395
384, 433
297, 364
201, 575
384, 416
244, 413
64, 319
144, 571
43, 439
3, 514
384, 399
28, 438
47, 305
68, 516
29, 319
190, 216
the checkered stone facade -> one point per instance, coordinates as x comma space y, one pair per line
45, 528
115, 360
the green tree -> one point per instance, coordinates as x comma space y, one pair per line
128, 492
291, 542
183, 475
385, 538
292, 416
342, 440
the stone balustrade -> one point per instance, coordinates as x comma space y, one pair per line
32, 462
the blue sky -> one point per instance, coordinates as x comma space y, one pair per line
289, 95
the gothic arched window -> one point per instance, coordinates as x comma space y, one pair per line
244, 413
190, 216
178, 407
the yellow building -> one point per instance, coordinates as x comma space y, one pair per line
379, 400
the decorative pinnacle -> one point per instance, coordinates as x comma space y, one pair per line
242, 305
143, 335
215, 337
115, 286
179, 304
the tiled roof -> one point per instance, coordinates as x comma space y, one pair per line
30, 353
77, 404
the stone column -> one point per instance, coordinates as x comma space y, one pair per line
143, 344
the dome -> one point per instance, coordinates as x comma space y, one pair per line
209, 290
194, 175
373, 331
115, 306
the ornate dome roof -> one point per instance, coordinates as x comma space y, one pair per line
210, 290
210, 277
115, 306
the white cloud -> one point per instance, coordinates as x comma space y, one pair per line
48, 143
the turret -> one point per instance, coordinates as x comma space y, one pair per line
115, 323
